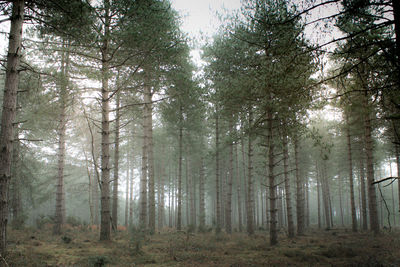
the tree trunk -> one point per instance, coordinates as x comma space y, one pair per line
238, 187
202, 205
363, 196
180, 141
60, 197
143, 177
299, 191
9, 114
127, 191
340, 200
373, 213
217, 178
318, 174
116, 165
325, 195
287, 186
273, 232
132, 170
228, 208
351, 183
398, 172
250, 200
152, 205
161, 195
16, 183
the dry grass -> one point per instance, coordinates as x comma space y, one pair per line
169, 248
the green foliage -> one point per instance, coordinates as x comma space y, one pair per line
137, 236
98, 261
42, 220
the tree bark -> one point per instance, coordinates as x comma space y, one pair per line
202, 204
299, 191
60, 196
228, 208
373, 212
127, 191
273, 232
105, 226
217, 178
287, 186
9, 113
363, 196
143, 178
152, 205
351, 183
239, 192
116, 164
250, 199
179, 200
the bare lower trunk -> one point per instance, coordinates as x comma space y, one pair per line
143, 178
9, 113
60, 197
325, 195
273, 233
161, 196
179, 200
250, 200
287, 187
116, 165
350, 160
318, 174
373, 212
340, 200
217, 178
202, 211
127, 192
299, 191
239, 192
228, 208
152, 204
363, 196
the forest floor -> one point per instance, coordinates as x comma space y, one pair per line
337, 247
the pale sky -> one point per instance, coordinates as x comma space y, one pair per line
200, 15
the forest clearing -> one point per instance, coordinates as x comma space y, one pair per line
336, 247
131, 137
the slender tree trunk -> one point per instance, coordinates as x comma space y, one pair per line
340, 200
318, 172
239, 192
152, 205
105, 226
116, 165
202, 205
161, 194
180, 141
250, 199
307, 196
217, 178
15, 190
143, 177
131, 180
351, 183
325, 195
228, 210
127, 191
9, 114
373, 212
299, 191
363, 196
287, 187
60, 197
273, 232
